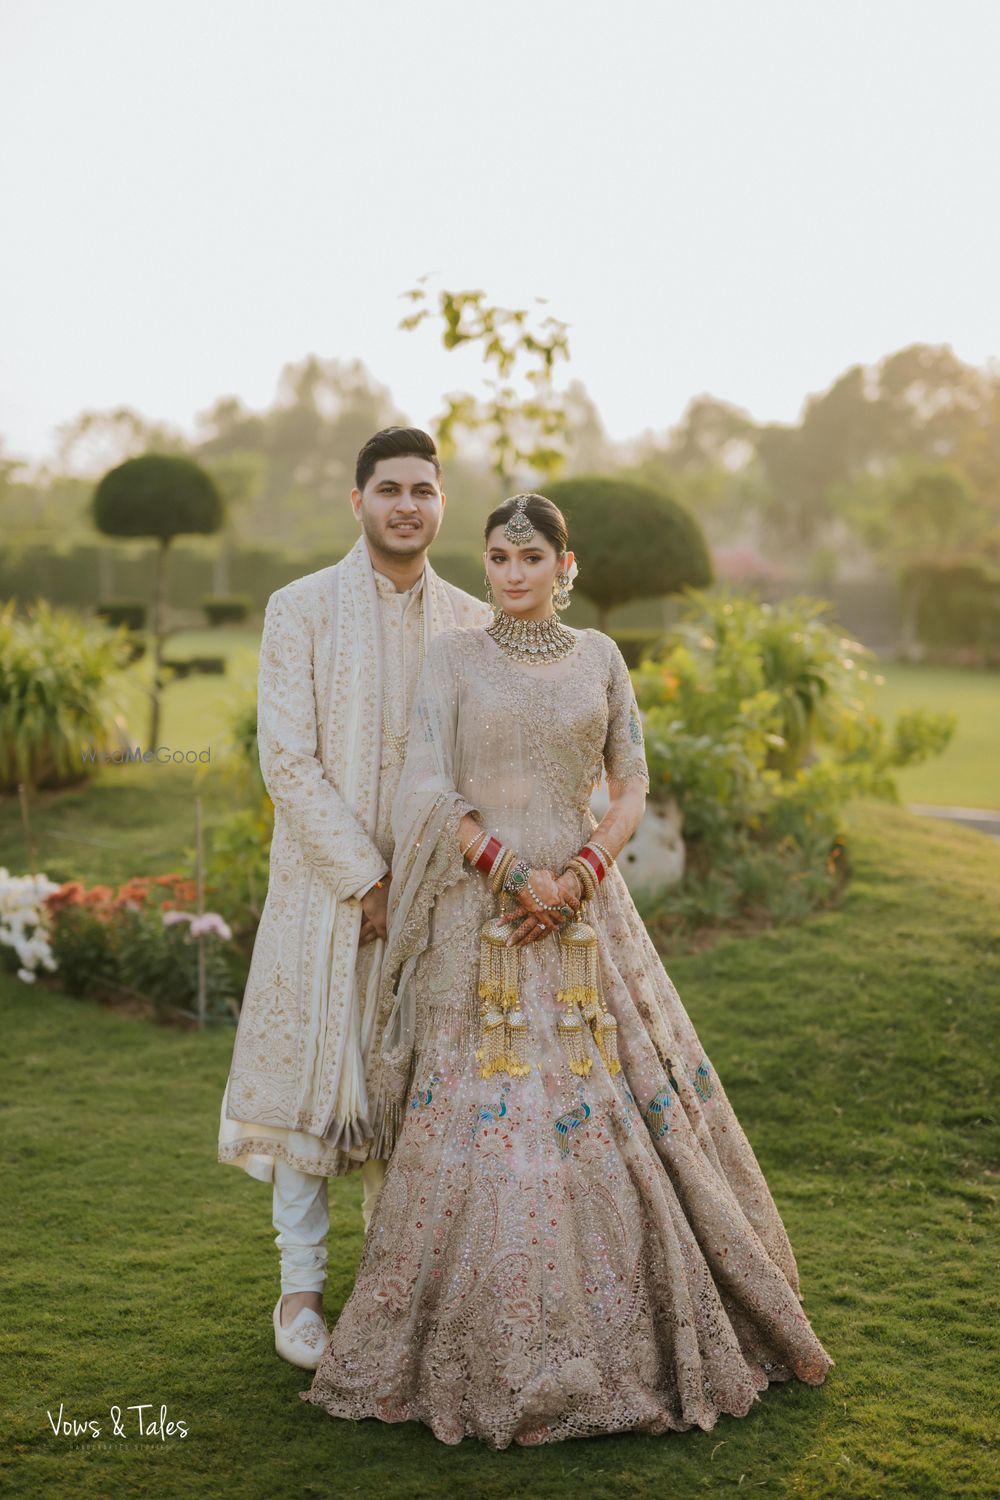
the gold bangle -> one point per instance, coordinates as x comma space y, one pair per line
500, 875
587, 877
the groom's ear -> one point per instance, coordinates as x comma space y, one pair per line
356, 504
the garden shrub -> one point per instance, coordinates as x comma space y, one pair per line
957, 605
128, 612
238, 845
636, 643
184, 666
642, 543
60, 692
226, 609
758, 722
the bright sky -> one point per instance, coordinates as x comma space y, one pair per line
717, 195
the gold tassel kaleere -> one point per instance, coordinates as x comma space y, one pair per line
606, 1035
517, 1044
580, 989
570, 1028
503, 1027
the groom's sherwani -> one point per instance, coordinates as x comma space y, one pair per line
340, 655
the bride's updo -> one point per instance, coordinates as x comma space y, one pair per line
543, 515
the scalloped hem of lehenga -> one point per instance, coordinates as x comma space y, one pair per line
452, 1429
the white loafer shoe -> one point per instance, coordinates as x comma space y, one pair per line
303, 1341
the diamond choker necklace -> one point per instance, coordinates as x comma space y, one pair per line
531, 640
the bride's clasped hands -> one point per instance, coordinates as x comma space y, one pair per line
558, 900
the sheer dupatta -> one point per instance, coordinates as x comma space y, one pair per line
426, 813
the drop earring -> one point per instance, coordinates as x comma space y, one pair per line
489, 595
560, 591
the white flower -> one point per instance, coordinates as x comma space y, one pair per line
573, 570
210, 923
171, 918
23, 921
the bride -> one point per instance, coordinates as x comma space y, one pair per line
574, 1235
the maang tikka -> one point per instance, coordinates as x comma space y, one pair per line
519, 529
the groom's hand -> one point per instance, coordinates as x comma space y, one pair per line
375, 905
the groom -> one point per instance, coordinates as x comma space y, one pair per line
340, 655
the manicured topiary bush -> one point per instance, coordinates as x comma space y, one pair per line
630, 540
128, 612
159, 495
226, 609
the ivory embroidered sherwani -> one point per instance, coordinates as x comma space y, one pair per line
339, 660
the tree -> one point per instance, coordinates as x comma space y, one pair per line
163, 496
916, 513
308, 441
633, 542
524, 419
95, 439
239, 476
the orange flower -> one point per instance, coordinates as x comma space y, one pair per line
69, 894
97, 895
133, 892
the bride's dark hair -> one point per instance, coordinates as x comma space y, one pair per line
543, 515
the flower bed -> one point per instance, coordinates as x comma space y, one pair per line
137, 944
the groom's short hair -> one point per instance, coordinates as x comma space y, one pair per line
395, 442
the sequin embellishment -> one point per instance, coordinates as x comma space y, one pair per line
423, 1097
656, 1114
570, 1121
704, 1086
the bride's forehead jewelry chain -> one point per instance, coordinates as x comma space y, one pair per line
519, 529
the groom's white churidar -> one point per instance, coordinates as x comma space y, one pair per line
341, 651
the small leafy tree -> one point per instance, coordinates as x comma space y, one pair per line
524, 419
633, 542
163, 496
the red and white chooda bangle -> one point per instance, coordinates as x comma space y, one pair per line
594, 860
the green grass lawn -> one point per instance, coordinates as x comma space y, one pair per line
196, 710
968, 773
858, 1051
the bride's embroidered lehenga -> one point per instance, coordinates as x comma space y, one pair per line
551, 1255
